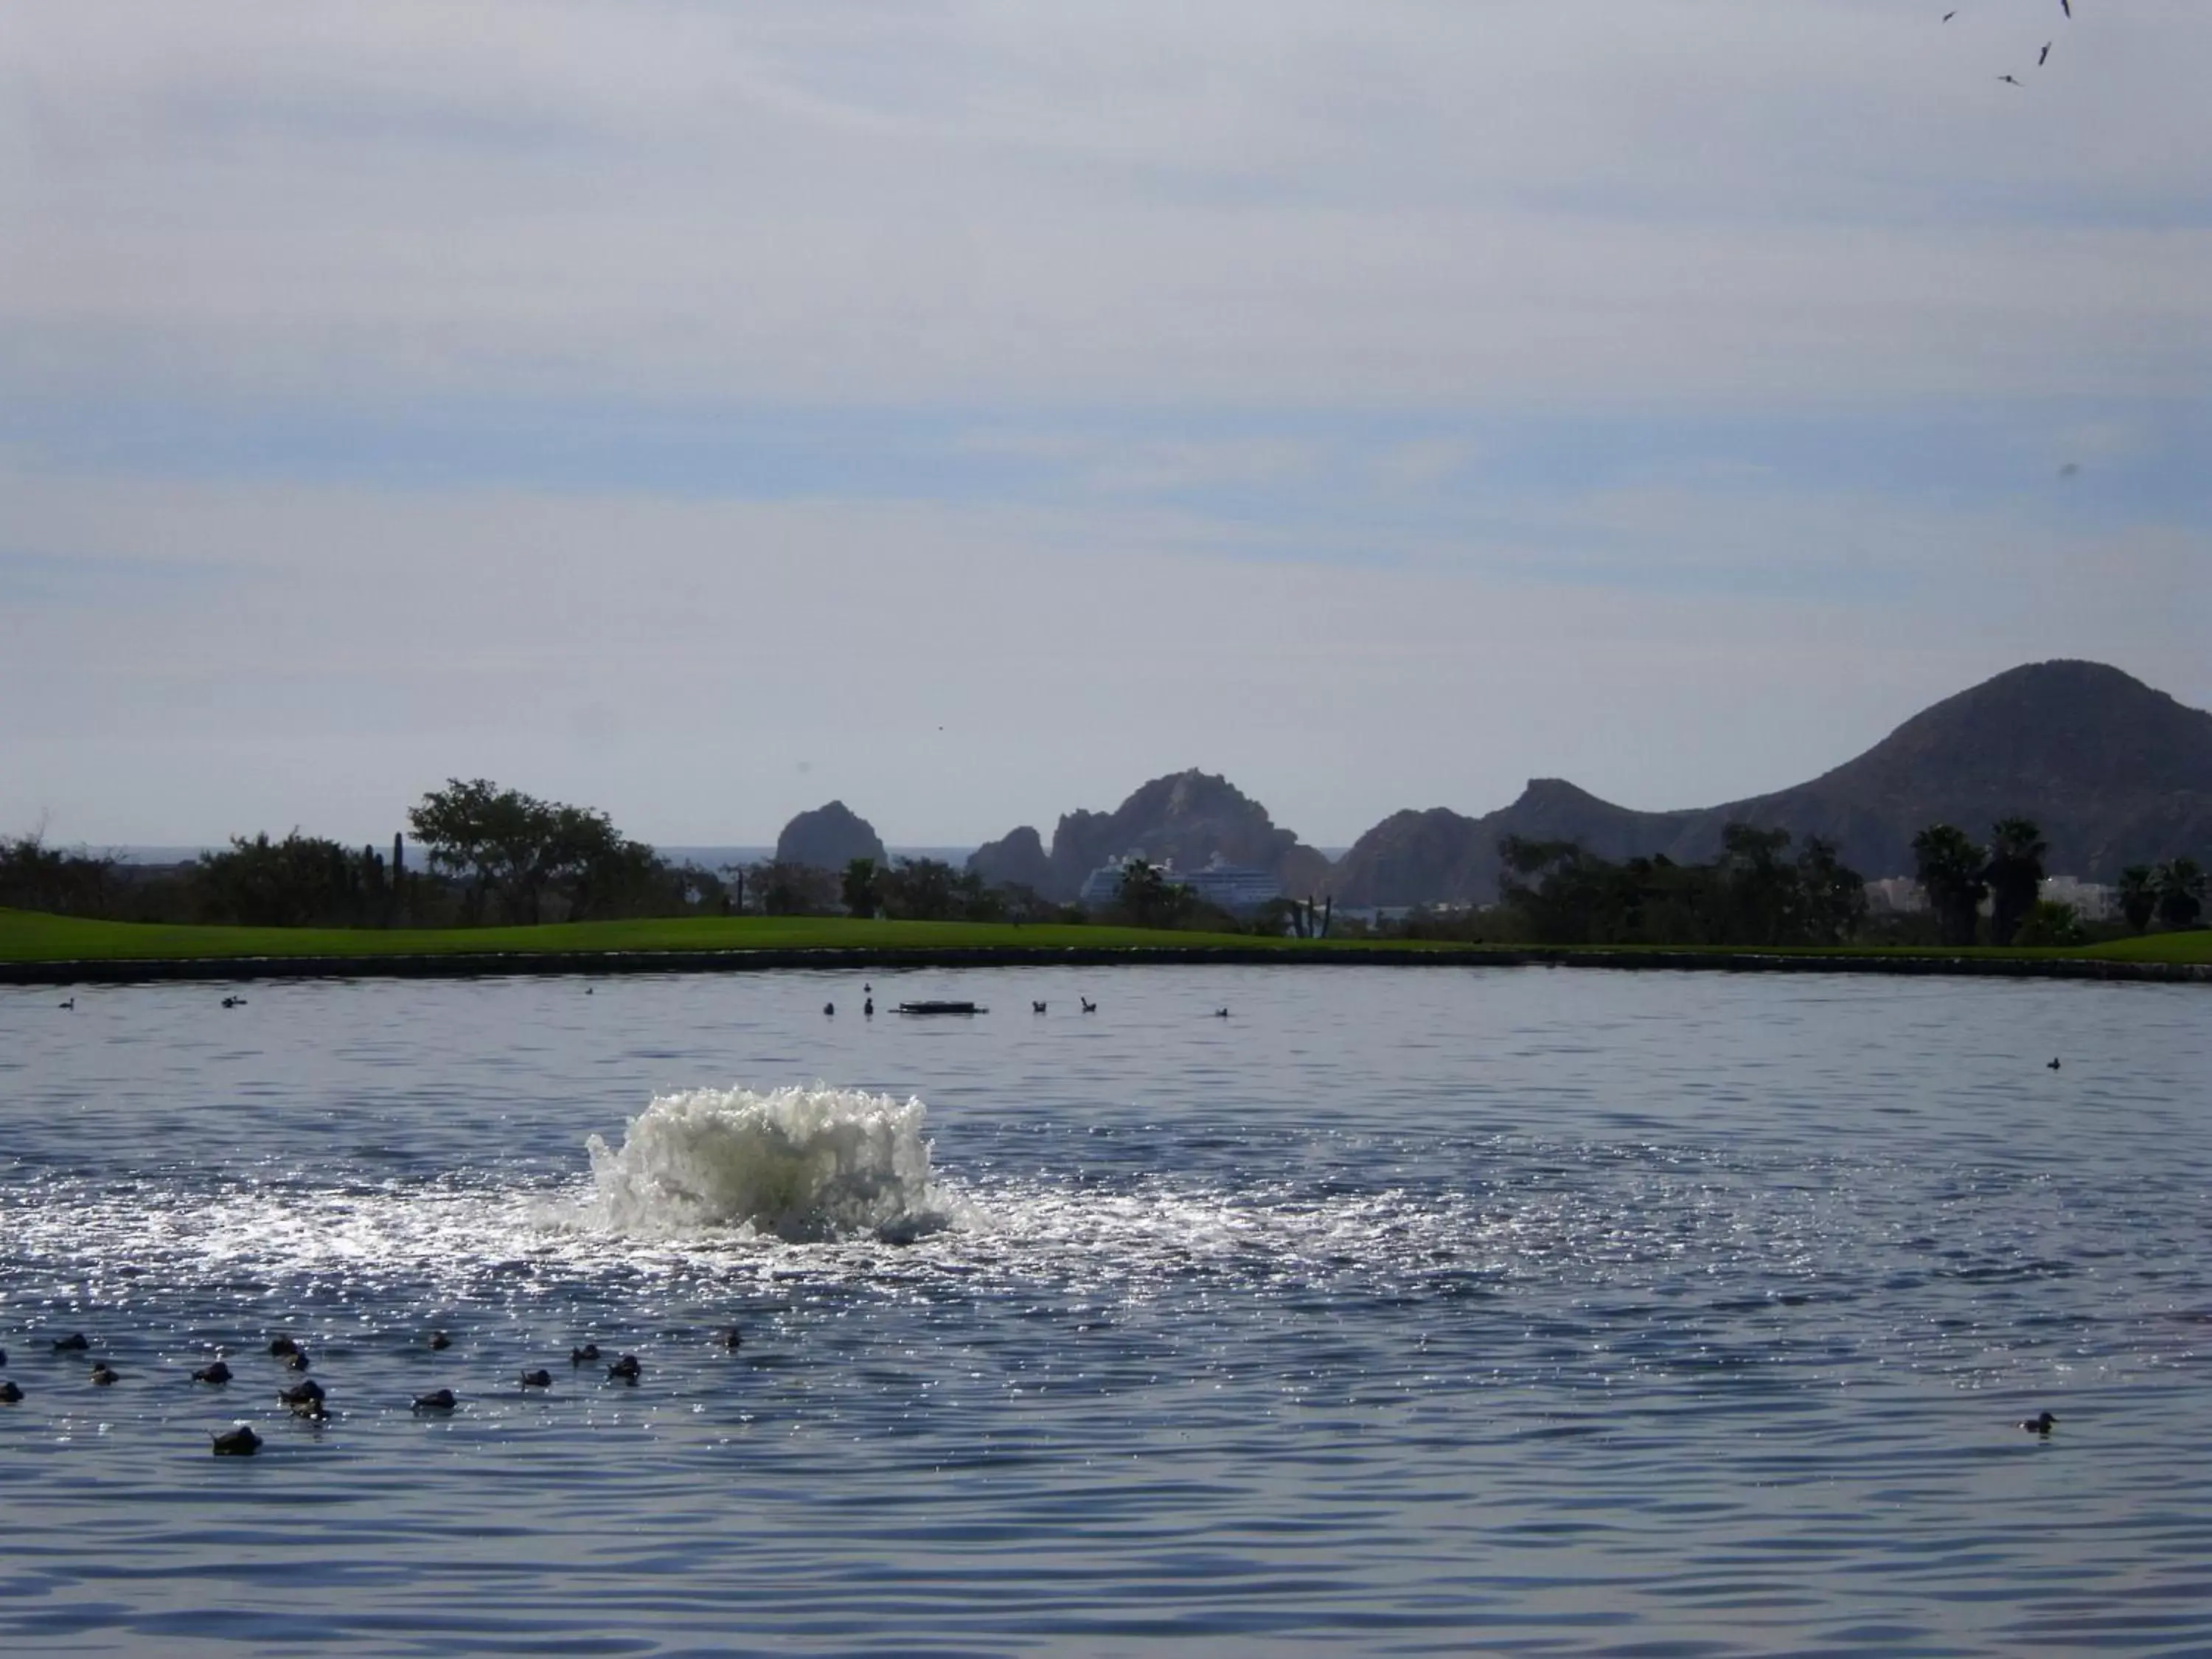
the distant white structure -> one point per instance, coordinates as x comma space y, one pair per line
1896, 896
1236, 889
2092, 900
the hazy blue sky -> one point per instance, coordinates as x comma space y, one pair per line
971, 410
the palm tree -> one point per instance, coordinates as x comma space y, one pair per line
2138, 896
1948, 867
2181, 892
2015, 873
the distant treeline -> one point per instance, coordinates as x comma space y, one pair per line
496, 856
1757, 893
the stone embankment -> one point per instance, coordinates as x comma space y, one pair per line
487, 964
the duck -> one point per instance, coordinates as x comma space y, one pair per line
240, 1442
73, 1343
217, 1374
301, 1393
731, 1338
1221, 1013
1037, 1007
314, 1410
296, 1360
868, 1008
537, 1379
584, 1355
439, 1341
2050, 1064
3, 1358
626, 1367
829, 1007
10, 1394
281, 1346
104, 1375
233, 1002
1089, 1006
438, 1399
71, 1003
2041, 1423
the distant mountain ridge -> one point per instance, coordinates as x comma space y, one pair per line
1189, 817
2115, 772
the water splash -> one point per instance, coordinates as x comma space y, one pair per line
802, 1165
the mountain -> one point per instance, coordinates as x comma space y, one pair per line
829, 838
2115, 772
1190, 818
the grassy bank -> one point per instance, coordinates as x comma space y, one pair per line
26, 936
30, 936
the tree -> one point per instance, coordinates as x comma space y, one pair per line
1762, 891
2049, 922
1146, 898
2138, 896
1949, 866
862, 888
301, 881
502, 842
2181, 892
2015, 873
1831, 895
36, 877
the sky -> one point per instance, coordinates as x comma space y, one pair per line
968, 412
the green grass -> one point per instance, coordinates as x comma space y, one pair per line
2195, 946
30, 936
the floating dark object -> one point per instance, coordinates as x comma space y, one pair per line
296, 1360
217, 1374
537, 1379
578, 1356
1221, 1013
300, 1393
869, 1008
233, 1002
731, 1338
104, 1375
439, 1339
71, 1003
942, 1008
829, 1007
314, 1410
1089, 1006
73, 1343
439, 1400
626, 1367
281, 1345
1037, 1007
3, 1356
10, 1394
240, 1442
2042, 1423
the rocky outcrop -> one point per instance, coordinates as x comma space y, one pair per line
829, 838
1015, 859
1190, 818
2114, 773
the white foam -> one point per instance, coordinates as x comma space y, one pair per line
802, 1164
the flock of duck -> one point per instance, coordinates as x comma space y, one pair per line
306, 1399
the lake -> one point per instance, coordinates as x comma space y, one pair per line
1398, 1311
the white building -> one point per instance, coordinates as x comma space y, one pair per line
2092, 900
1896, 895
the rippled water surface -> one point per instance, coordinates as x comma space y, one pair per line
1399, 1311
